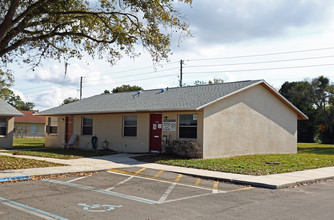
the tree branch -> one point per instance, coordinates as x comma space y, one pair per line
53, 34
8, 21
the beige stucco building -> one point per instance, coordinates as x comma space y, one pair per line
227, 119
7, 113
29, 125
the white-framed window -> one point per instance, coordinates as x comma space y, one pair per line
130, 125
3, 126
87, 126
53, 125
188, 126
33, 129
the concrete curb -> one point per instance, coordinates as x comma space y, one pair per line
274, 181
14, 178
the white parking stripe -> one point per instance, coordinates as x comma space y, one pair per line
164, 181
134, 198
28, 211
167, 192
120, 183
187, 197
79, 178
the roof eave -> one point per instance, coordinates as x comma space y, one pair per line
300, 115
119, 112
228, 95
10, 115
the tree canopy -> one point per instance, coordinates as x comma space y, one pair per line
17, 102
41, 29
69, 100
214, 81
126, 88
316, 99
6, 80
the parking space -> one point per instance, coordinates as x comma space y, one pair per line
117, 191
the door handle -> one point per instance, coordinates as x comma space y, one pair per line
156, 136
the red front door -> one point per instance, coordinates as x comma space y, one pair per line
155, 132
68, 128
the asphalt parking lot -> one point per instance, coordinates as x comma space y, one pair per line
127, 193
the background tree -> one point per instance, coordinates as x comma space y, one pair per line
299, 94
6, 81
214, 81
69, 100
323, 96
37, 29
18, 103
126, 88
316, 100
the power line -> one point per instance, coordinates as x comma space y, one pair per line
259, 62
261, 69
136, 69
132, 80
141, 74
141, 79
265, 54
71, 83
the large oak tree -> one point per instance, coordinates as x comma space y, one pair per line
41, 29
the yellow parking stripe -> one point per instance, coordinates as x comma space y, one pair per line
215, 185
159, 173
171, 181
179, 176
198, 181
235, 190
142, 169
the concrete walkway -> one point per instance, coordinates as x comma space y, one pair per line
275, 181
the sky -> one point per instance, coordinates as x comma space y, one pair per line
233, 40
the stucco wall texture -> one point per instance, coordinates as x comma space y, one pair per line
6, 141
110, 127
250, 122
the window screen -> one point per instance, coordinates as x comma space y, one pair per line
87, 125
188, 126
3, 126
130, 126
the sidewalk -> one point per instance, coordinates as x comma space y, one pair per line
275, 181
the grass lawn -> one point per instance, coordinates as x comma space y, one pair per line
23, 143
309, 156
60, 153
7, 163
20, 144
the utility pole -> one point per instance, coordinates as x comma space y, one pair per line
181, 63
80, 87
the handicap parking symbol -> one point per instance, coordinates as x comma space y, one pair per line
98, 207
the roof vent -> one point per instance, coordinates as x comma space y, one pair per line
137, 93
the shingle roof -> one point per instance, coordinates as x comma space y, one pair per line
171, 99
179, 98
8, 110
29, 117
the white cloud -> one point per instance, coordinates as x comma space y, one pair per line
221, 28
52, 98
56, 74
230, 21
